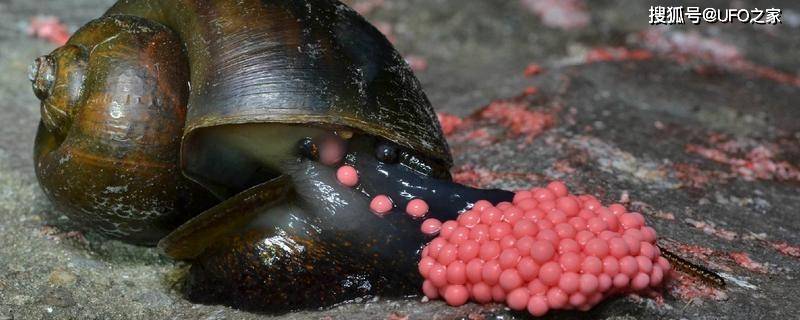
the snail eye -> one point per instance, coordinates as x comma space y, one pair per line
387, 153
308, 149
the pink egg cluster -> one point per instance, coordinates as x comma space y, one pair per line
547, 250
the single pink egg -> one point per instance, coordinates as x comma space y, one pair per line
570, 261
591, 205
543, 194
664, 264
617, 209
513, 215
568, 205
547, 205
510, 279
518, 299
456, 272
610, 266
448, 254
556, 298
498, 230
611, 220
542, 251
509, 258
558, 188
479, 232
527, 269
536, 287
597, 225
489, 250
596, 247
565, 230
550, 273
537, 306
640, 281
456, 295
491, 272
634, 245
380, 205
629, 221
589, 283
604, 282
522, 195
617, 247
527, 204
578, 223
635, 234
474, 270
468, 250
347, 176
431, 226
459, 235
592, 265
417, 208
577, 299
584, 236
569, 282
656, 276
503, 205
646, 249
621, 281
535, 215
430, 290
438, 275
448, 227
608, 235
425, 265
549, 235
498, 294
544, 225
435, 246
524, 246
481, 292
470, 218
481, 205
491, 215
649, 234
568, 245
645, 264
508, 241
628, 266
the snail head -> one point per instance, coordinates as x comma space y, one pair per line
57, 80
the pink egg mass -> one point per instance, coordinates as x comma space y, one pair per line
548, 250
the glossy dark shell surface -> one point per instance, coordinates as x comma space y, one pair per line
300, 62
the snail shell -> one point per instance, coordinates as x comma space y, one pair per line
186, 67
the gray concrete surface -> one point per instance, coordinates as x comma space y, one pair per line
700, 134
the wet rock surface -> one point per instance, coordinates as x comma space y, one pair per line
694, 126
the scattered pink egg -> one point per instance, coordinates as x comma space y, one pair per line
431, 226
347, 176
417, 208
381, 205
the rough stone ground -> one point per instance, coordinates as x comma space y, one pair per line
696, 126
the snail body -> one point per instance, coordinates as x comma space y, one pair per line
215, 129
